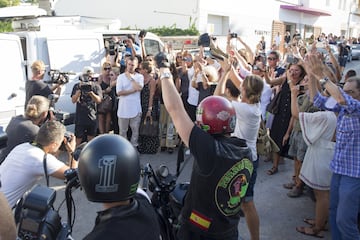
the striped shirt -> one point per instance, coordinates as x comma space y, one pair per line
346, 159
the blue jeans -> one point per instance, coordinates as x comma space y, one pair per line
344, 207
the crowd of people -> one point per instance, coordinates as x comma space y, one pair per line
309, 105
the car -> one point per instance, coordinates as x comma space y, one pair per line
355, 51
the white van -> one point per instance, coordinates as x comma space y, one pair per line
12, 90
67, 51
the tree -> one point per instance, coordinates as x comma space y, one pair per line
8, 3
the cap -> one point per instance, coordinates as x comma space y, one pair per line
88, 70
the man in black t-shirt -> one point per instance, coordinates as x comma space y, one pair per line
36, 86
86, 94
222, 164
24, 128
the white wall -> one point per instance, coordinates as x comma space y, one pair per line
247, 18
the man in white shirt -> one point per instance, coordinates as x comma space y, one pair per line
128, 87
24, 165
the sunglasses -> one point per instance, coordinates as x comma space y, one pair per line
109, 68
271, 58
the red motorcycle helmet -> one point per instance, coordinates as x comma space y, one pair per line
216, 115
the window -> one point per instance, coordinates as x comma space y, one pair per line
152, 47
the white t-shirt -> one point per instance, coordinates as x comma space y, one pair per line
247, 124
193, 97
129, 105
265, 99
22, 168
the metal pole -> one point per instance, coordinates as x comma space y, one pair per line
348, 24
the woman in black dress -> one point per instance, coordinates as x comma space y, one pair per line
282, 123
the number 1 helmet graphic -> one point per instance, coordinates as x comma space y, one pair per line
109, 169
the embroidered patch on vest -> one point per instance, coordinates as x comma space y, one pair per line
232, 187
200, 220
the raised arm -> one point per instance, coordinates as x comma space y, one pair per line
322, 73
174, 106
221, 86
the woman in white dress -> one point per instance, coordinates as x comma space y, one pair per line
318, 131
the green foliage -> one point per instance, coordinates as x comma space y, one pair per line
8, 3
5, 26
174, 31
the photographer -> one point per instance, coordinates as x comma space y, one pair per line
25, 164
24, 128
109, 173
36, 86
131, 48
86, 94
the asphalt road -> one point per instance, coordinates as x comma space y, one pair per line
279, 214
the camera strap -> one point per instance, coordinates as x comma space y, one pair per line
44, 162
45, 169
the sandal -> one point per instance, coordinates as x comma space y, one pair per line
272, 171
289, 185
310, 231
295, 192
311, 222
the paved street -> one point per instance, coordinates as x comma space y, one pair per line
279, 214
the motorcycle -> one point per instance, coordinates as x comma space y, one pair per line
167, 197
38, 219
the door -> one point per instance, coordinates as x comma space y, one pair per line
12, 91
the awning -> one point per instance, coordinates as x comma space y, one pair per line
312, 11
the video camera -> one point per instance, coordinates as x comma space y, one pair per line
115, 47
85, 86
59, 77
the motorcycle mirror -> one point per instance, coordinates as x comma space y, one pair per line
163, 171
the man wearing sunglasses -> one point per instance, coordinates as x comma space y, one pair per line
273, 60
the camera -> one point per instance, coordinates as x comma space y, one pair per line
115, 47
162, 60
204, 40
301, 88
68, 137
35, 214
233, 35
85, 88
59, 77
142, 34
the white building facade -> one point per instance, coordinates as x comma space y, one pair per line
250, 19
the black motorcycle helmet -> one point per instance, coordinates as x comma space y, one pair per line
109, 169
